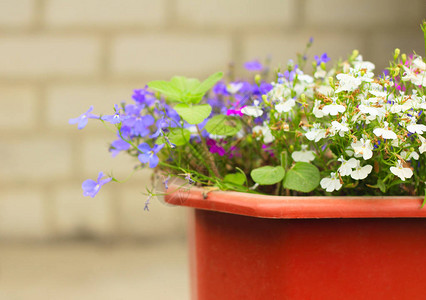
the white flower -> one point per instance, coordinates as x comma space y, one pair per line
325, 90
409, 155
401, 172
333, 109
416, 128
422, 147
277, 93
347, 83
341, 128
285, 106
346, 167
316, 133
266, 132
331, 183
361, 172
253, 111
385, 133
316, 110
363, 148
234, 87
377, 90
303, 155
320, 73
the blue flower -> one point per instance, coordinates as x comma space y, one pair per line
149, 155
143, 97
91, 187
323, 59
115, 118
83, 119
119, 145
254, 65
139, 124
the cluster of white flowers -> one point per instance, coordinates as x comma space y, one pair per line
355, 106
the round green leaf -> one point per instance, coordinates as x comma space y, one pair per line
302, 177
193, 114
267, 175
223, 125
235, 178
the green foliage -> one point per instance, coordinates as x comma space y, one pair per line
193, 114
302, 177
235, 178
223, 125
177, 136
267, 175
185, 90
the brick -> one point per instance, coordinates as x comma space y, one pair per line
65, 101
101, 13
80, 216
16, 13
363, 13
240, 14
34, 158
95, 157
283, 47
165, 55
18, 107
48, 56
22, 214
160, 221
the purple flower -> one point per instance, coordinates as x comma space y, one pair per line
323, 59
220, 89
149, 155
233, 112
215, 148
143, 97
115, 118
119, 145
83, 119
147, 202
91, 187
139, 124
254, 65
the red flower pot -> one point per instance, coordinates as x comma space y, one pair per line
246, 246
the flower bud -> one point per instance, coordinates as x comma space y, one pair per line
354, 55
331, 81
395, 71
303, 98
397, 52
257, 79
322, 65
314, 65
404, 58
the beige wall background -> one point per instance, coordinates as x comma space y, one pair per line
58, 57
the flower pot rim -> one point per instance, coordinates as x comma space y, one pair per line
297, 207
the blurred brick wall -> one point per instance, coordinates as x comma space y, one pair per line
57, 57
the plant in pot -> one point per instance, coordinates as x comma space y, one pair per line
304, 186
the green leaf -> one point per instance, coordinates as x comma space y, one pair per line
223, 125
166, 88
185, 84
193, 114
207, 84
235, 178
302, 177
177, 136
379, 185
424, 200
267, 175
